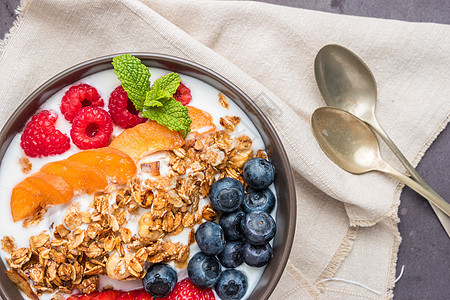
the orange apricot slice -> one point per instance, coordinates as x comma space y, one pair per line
26, 199
118, 166
146, 138
36, 191
202, 121
87, 171
82, 178
55, 189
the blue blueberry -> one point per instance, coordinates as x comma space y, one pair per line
232, 255
203, 270
232, 285
210, 238
258, 228
258, 200
258, 173
231, 224
257, 256
159, 280
226, 194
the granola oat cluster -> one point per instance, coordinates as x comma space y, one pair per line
97, 241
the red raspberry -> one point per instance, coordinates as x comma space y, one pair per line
122, 110
91, 128
183, 94
77, 97
41, 138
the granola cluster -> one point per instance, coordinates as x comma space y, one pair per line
97, 241
25, 165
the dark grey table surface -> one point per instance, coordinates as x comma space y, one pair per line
425, 249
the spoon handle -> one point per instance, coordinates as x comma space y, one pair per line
445, 220
427, 194
375, 125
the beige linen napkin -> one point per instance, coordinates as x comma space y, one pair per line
346, 226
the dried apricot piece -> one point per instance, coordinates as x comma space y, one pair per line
82, 178
55, 189
36, 191
87, 171
146, 138
26, 199
202, 121
118, 166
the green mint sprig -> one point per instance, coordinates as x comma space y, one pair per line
134, 76
156, 103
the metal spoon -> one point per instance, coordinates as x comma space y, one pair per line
350, 144
346, 82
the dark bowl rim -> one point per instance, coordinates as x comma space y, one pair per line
291, 195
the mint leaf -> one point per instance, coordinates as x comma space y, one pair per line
168, 83
156, 103
134, 76
156, 94
172, 114
163, 89
153, 103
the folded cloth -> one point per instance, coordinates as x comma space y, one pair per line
347, 224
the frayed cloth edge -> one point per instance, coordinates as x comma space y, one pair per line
394, 256
19, 13
341, 253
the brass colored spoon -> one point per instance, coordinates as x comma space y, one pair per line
350, 144
346, 82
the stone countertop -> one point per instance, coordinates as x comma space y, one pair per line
425, 248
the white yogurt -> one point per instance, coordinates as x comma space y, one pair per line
204, 97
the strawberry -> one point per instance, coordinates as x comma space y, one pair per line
142, 295
108, 295
186, 290
114, 295
84, 297
135, 295
90, 296
126, 296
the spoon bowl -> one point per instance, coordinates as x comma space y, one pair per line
346, 140
352, 145
345, 81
